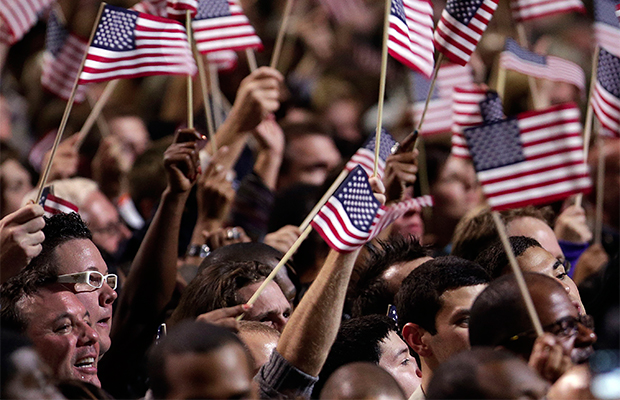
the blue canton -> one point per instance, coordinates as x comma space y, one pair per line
398, 10
212, 9
387, 142
523, 54
608, 72
392, 313
421, 87
491, 108
116, 30
56, 34
604, 11
463, 10
357, 199
495, 145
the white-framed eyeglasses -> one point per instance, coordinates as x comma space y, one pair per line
88, 281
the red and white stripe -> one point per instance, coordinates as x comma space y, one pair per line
411, 43
161, 49
59, 73
55, 205
438, 117
395, 211
458, 41
18, 16
606, 107
607, 37
366, 159
233, 32
554, 168
465, 114
556, 69
225, 60
177, 9
524, 10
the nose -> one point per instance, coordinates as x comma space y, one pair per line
88, 336
279, 322
107, 295
585, 336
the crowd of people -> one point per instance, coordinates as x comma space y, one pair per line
144, 292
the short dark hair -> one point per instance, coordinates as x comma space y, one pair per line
358, 339
42, 270
368, 292
295, 130
476, 231
499, 313
458, 378
216, 286
419, 297
495, 259
187, 337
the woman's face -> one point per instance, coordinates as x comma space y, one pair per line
16, 184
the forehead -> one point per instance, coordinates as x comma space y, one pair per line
79, 255
46, 306
552, 303
536, 259
392, 345
463, 297
271, 298
536, 229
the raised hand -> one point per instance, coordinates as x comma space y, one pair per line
401, 169
66, 159
182, 162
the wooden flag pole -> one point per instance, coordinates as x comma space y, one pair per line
430, 92
217, 95
190, 91
102, 124
280, 39
529, 304
587, 133
278, 267
95, 112
523, 42
384, 60
205, 99
600, 189
501, 83
65, 116
251, 56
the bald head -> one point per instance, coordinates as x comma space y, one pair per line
361, 380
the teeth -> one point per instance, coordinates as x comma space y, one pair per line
85, 362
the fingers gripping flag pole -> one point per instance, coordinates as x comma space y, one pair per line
65, 116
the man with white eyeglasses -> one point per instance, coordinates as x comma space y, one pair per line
70, 258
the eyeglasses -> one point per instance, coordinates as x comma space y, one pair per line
88, 281
566, 327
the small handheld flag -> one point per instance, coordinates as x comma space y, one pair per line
607, 26
525, 10
53, 205
410, 39
18, 16
606, 97
535, 158
461, 26
365, 155
129, 44
221, 25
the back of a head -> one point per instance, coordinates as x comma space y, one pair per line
358, 340
42, 270
474, 233
499, 312
484, 373
494, 258
368, 291
418, 299
189, 337
242, 252
362, 380
216, 286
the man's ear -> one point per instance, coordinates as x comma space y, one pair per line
412, 334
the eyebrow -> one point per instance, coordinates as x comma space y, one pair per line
463, 312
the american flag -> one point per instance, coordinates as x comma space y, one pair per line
221, 25
461, 26
535, 158
365, 155
438, 117
410, 39
225, 60
473, 106
128, 44
53, 205
18, 16
173, 9
606, 96
61, 60
606, 27
618, 11
397, 210
392, 313
525, 10
556, 69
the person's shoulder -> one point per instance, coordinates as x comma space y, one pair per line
418, 394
